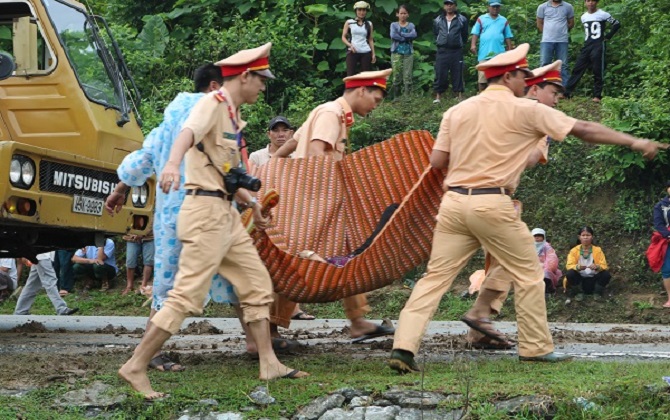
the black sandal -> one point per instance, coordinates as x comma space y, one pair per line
164, 364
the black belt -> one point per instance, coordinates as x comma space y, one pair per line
206, 193
479, 191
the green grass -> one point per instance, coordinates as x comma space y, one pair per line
384, 303
618, 388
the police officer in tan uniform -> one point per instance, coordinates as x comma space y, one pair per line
485, 142
325, 132
545, 85
209, 141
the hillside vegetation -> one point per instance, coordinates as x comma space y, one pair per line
609, 188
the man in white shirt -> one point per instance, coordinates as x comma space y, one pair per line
8, 266
42, 275
279, 131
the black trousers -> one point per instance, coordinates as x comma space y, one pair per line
448, 62
356, 59
588, 283
591, 56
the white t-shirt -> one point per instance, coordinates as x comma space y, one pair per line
359, 36
13, 273
46, 256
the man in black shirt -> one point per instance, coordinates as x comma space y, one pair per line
451, 33
592, 54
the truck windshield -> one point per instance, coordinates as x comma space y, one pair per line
86, 53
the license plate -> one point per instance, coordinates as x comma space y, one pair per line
87, 205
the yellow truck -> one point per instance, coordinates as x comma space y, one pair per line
68, 116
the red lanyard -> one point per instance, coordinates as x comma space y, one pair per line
241, 142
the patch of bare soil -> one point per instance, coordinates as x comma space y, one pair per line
22, 371
613, 336
30, 327
200, 328
110, 329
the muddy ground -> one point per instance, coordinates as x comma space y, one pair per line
34, 355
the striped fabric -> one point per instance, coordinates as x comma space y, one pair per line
333, 207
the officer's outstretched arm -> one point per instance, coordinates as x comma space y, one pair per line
596, 133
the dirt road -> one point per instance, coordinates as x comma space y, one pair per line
88, 334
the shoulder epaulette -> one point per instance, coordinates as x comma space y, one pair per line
218, 95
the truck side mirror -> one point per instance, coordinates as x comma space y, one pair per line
6, 65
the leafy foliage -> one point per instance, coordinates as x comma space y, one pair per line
610, 188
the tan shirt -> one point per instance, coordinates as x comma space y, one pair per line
211, 124
489, 137
328, 122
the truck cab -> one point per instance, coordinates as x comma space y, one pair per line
68, 116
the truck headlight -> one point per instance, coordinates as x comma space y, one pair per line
139, 195
21, 172
15, 171
27, 172
144, 194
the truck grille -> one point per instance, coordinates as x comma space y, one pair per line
67, 179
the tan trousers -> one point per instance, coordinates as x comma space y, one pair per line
465, 223
214, 241
282, 309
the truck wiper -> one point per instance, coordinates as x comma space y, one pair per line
121, 63
112, 71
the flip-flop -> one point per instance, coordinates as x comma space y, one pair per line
303, 316
481, 324
379, 331
284, 346
487, 343
292, 375
666, 305
167, 365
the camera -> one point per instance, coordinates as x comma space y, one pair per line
238, 178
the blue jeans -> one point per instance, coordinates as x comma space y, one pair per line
665, 270
551, 51
133, 250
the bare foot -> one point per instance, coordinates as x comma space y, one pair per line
139, 381
281, 371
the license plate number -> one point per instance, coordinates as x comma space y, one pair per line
87, 205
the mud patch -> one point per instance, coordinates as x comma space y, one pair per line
110, 329
200, 328
620, 330
30, 327
613, 336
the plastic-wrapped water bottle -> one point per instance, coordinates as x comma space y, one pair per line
585, 404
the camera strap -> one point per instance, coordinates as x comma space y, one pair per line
241, 143
201, 147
